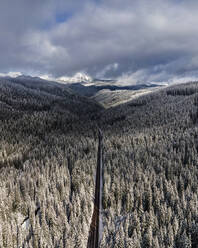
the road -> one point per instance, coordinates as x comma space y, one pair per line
94, 232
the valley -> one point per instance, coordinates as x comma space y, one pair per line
109, 93
48, 161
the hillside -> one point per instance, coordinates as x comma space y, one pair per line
48, 163
109, 94
150, 173
37, 94
47, 160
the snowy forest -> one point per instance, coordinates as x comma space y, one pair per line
48, 155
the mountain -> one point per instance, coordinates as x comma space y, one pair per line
77, 78
35, 94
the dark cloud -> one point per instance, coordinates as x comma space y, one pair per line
133, 41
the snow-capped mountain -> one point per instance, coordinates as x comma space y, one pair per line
77, 78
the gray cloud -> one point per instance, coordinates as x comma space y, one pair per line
133, 41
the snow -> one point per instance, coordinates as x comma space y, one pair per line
77, 78
26, 224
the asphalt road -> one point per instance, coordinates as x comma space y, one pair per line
93, 240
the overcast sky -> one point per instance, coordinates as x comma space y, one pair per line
130, 40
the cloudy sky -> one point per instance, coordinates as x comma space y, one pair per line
130, 40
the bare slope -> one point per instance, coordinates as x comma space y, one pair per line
109, 94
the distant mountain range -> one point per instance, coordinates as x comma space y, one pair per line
106, 92
90, 90
77, 78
